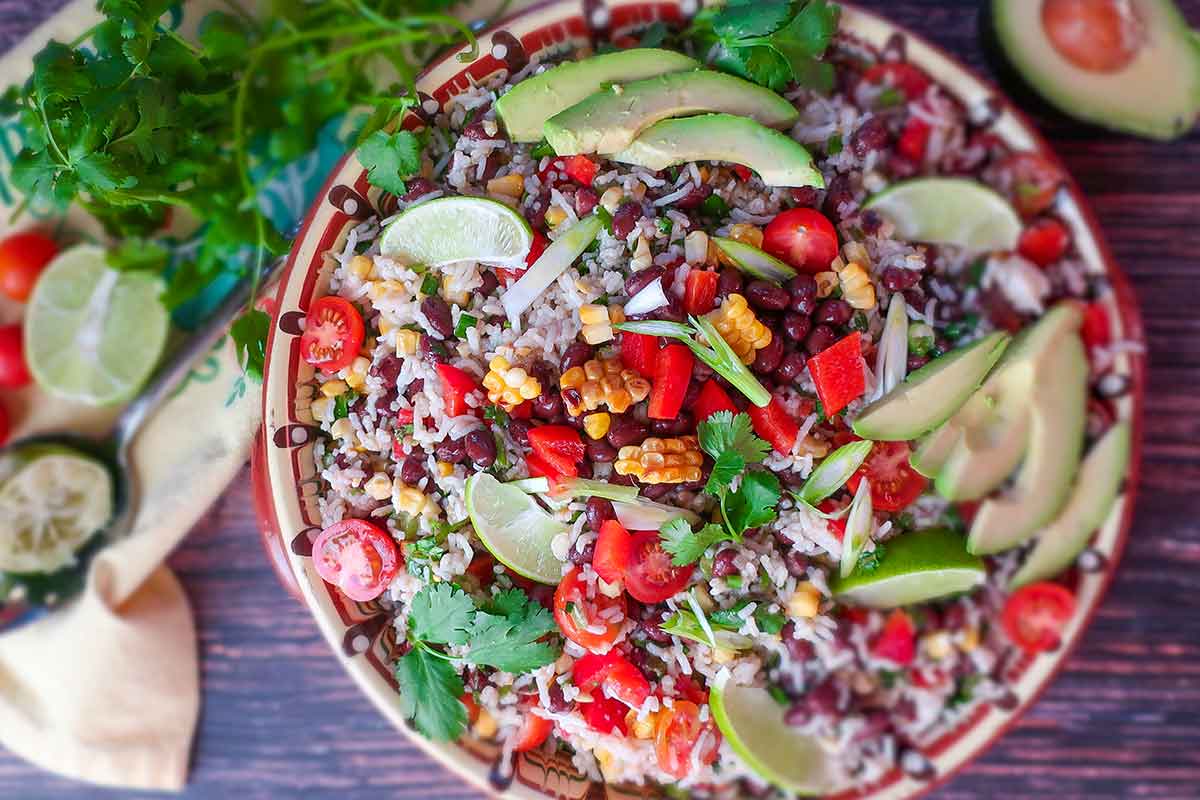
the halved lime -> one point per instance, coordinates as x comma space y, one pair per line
514, 528
93, 334
52, 499
752, 723
957, 211
915, 567
451, 229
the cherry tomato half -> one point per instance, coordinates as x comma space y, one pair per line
5, 425
14, 373
614, 546
1035, 615
894, 483
897, 642
333, 334
679, 731
614, 675
533, 731
1045, 241
802, 237
357, 557
606, 715
1033, 182
1094, 35
576, 613
650, 577
23, 256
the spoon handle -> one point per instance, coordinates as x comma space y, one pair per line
175, 371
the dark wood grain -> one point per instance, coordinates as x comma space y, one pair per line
281, 719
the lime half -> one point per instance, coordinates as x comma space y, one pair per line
956, 211
52, 501
752, 723
915, 567
93, 334
451, 229
514, 528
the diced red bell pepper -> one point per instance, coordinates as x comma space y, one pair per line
672, 373
774, 424
605, 715
541, 468
700, 293
580, 169
1045, 241
536, 248
557, 450
914, 138
456, 385
404, 416
712, 399
615, 675
523, 411
897, 642
838, 373
614, 546
743, 172
836, 526
639, 352
1095, 330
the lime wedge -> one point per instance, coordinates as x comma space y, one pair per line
451, 229
53, 499
956, 211
93, 334
915, 567
514, 528
752, 723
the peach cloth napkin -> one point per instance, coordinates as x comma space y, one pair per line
107, 690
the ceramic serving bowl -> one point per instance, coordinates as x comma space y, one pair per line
286, 477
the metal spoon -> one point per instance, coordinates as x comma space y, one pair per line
26, 597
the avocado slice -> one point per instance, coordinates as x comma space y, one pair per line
930, 395
1057, 417
1096, 489
610, 119
525, 107
934, 449
778, 159
1155, 93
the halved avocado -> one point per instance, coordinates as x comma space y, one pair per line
778, 159
1130, 66
930, 395
1057, 418
525, 108
1100, 479
610, 119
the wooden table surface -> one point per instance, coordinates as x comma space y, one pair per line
281, 718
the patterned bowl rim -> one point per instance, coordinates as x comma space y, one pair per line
357, 631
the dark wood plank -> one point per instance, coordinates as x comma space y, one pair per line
281, 719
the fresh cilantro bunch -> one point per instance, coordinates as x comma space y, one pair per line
506, 633
731, 442
772, 43
132, 120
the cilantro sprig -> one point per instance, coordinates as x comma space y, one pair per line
772, 43
730, 440
508, 633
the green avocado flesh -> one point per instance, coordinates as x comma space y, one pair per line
1096, 489
1057, 418
1157, 94
525, 108
931, 394
778, 159
607, 121
916, 567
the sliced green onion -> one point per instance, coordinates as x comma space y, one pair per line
838, 514
920, 339
720, 357
834, 471
647, 515
858, 527
532, 485
586, 487
561, 254
701, 617
429, 285
465, 323
891, 360
657, 327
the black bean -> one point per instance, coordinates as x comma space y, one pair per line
600, 451
657, 491
820, 338
839, 192
729, 282
431, 350
694, 198
417, 187
701, 372
954, 617
897, 279
585, 200
790, 368
798, 648
872, 135
650, 628
576, 355
491, 166
871, 222
582, 555
915, 297
877, 723
451, 450
490, 283
803, 289
833, 312
767, 296
585, 469
625, 218
518, 429
438, 313
681, 424
413, 468
806, 196
548, 405
413, 389
725, 563
477, 132
916, 362
797, 564
387, 368
641, 279
481, 447
557, 703
796, 326
768, 359
599, 511
798, 714
823, 698
625, 430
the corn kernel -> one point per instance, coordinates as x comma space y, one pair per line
695, 247
458, 298
555, 216
746, 233
657, 460
356, 373
604, 759
485, 726
592, 314
970, 639
602, 381
597, 425
857, 288
342, 429
641, 728
334, 388
598, 333
722, 655
826, 283
407, 342
410, 500
515, 377
641, 255
321, 409
610, 201
616, 314
805, 601
740, 328
379, 486
936, 645
361, 267
445, 469
377, 290
509, 386
511, 185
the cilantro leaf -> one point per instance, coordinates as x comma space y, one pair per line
753, 504
723, 432
249, 334
429, 692
137, 254
684, 545
441, 614
508, 640
390, 158
727, 466
750, 20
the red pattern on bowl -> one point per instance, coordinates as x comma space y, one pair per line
361, 633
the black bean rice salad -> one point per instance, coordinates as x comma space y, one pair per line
729, 429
